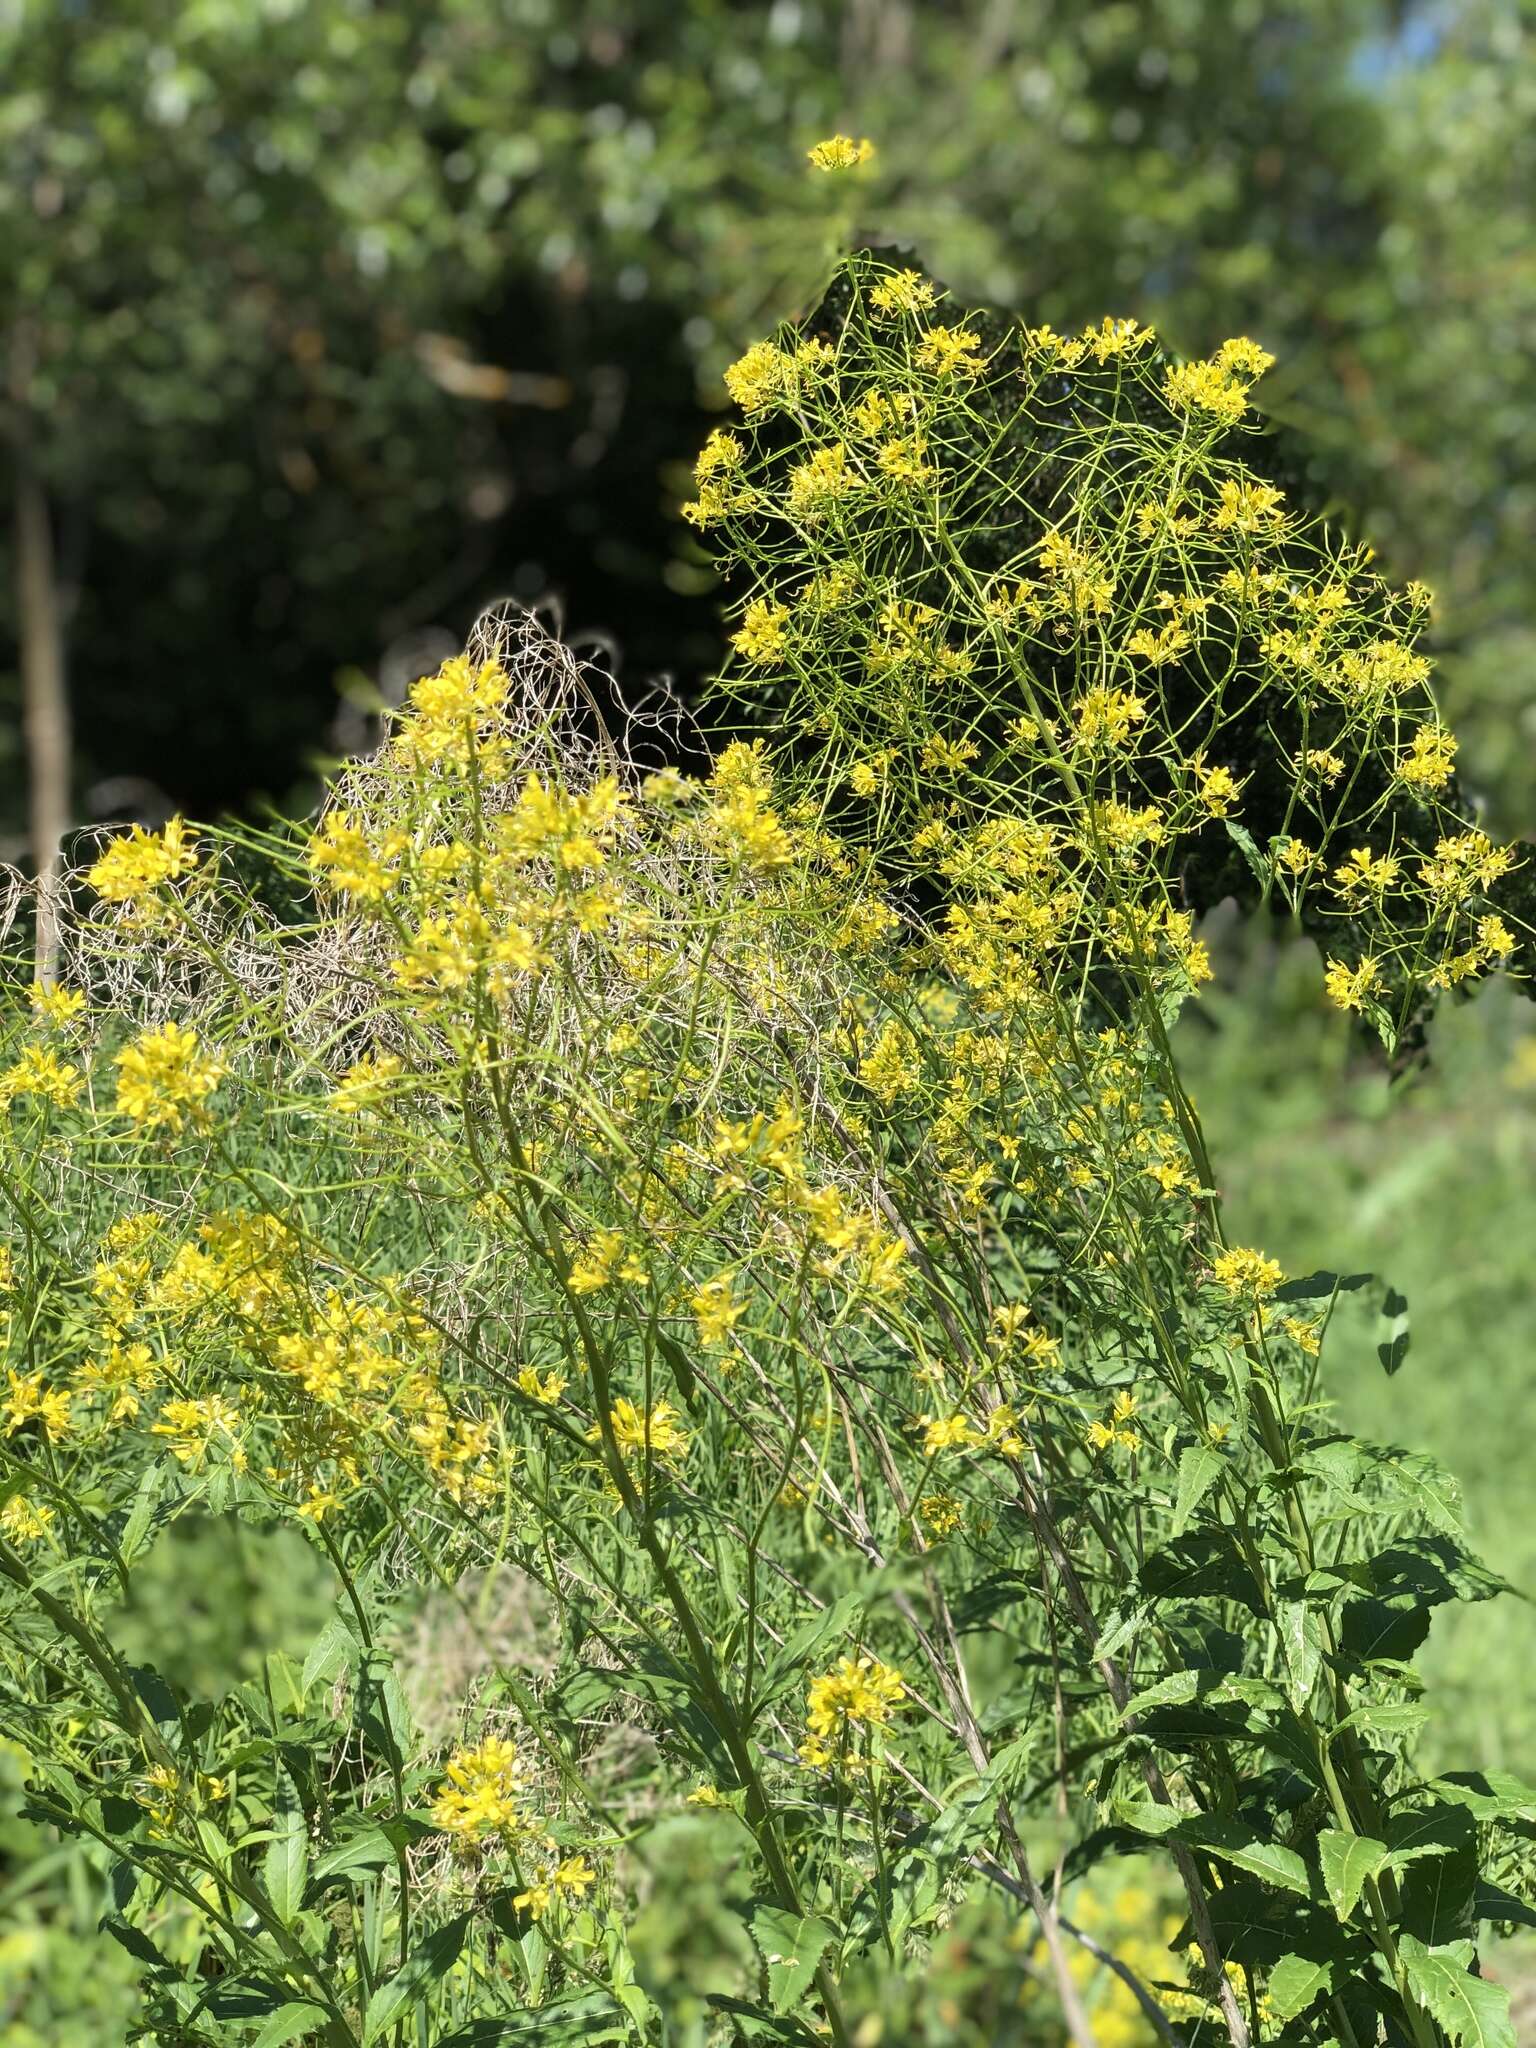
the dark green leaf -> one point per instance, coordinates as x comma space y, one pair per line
1347, 1861
428, 1963
1469, 2008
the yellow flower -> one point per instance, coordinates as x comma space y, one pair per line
191, 1428
163, 1075
858, 1692
721, 455
28, 1400
1372, 874
1352, 987
947, 1433
364, 1085
1429, 760
40, 1072
942, 1512
1247, 1273
1113, 338
905, 291
820, 482
1205, 387
544, 1388
25, 1521
761, 637
716, 1310
750, 830
1107, 718
56, 1007
346, 860
1245, 356
1159, 648
1249, 508
948, 350
761, 378
134, 866
478, 1796
840, 153
637, 1431
1218, 790
574, 1874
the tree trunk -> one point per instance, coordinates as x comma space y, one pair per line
44, 693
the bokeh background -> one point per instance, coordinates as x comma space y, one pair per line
326, 322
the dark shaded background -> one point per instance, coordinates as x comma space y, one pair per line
327, 324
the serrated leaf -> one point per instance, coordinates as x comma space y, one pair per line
1439, 1891
1177, 1689
1198, 1468
1469, 2008
1301, 1638
1235, 1843
791, 1945
1347, 1862
428, 1963
1422, 1485
1294, 1982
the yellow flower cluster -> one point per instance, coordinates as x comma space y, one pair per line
135, 867
165, 1077
858, 1696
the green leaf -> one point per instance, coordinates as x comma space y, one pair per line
1469, 2008
1201, 1565
1494, 1903
1301, 1638
138, 1945
137, 1526
572, 2023
1294, 1982
1397, 1718
428, 1963
285, 1868
1392, 1347
788, 1662
1198, 1467
1489, 1795
1422, 1485
334, 1646
1347, 1862
1322, 1286
791, 1945
370, 1851
681, 1364
299, 2016
1148, 1816
1440, 1890
1236, 1843
1372, 1629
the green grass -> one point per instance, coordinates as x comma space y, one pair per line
1430, 1182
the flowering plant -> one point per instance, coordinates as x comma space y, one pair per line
760, 1216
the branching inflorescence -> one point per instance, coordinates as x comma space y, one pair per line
764, 1209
